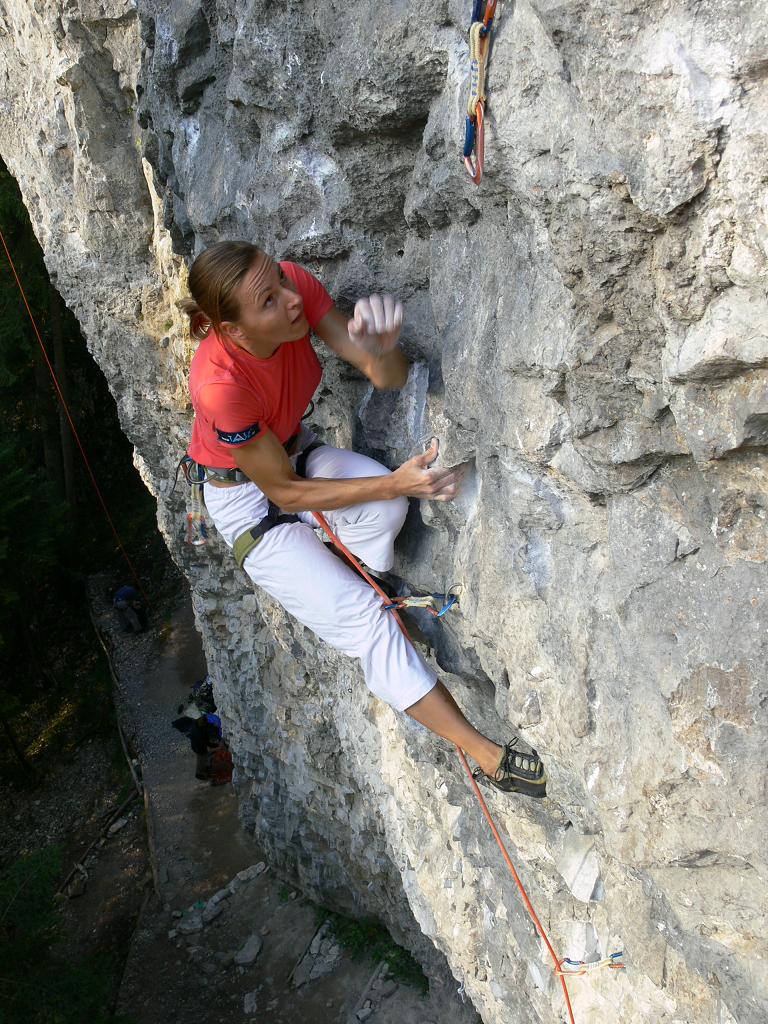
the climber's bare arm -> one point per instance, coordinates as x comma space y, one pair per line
383, 369
265, 461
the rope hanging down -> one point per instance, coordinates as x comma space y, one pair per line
72, 426
323, 522
479, 42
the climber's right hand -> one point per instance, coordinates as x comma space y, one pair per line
415, 480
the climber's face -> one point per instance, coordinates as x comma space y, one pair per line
271, 310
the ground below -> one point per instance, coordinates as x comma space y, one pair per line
218, 936
164, 889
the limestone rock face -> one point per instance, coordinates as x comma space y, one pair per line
588, 328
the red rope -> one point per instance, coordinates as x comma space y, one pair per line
72, 426
483, 806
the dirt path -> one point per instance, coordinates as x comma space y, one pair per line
197, 840
222, 939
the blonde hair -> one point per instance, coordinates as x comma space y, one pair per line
213, 277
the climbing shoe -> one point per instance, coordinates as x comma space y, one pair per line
517, 772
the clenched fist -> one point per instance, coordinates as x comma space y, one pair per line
375, 325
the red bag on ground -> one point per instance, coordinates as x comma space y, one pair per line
220, 766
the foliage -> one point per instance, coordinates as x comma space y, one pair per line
16, 357
38, 983
31, 521
366, 938
48, 542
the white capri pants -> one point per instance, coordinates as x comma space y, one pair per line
293, 565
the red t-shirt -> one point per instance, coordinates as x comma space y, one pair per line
238, 397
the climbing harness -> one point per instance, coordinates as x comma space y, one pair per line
579, 967
197, 475
483, 12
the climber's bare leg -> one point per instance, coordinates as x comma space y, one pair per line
440, 713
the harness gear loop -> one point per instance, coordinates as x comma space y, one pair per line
479, 42
197, 530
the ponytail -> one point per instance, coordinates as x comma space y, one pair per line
213, 277
199, 323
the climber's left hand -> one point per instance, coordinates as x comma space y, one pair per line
375, 325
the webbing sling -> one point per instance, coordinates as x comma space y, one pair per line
246, 542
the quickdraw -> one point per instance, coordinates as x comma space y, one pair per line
579, 967
483, 12
435, 604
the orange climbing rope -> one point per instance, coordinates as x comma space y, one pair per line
558, 962
72, 426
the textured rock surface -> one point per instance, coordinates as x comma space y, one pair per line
589, 331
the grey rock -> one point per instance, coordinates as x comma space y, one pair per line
248, 874
730, 339
191, 924
587, 329
248, 953
222, 894
245, 876
578, 864
211, 912
302, 972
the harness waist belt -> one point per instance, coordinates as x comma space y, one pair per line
222, 473
237, 476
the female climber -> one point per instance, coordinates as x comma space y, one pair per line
251, 379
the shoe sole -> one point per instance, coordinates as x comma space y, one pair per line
535, 790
